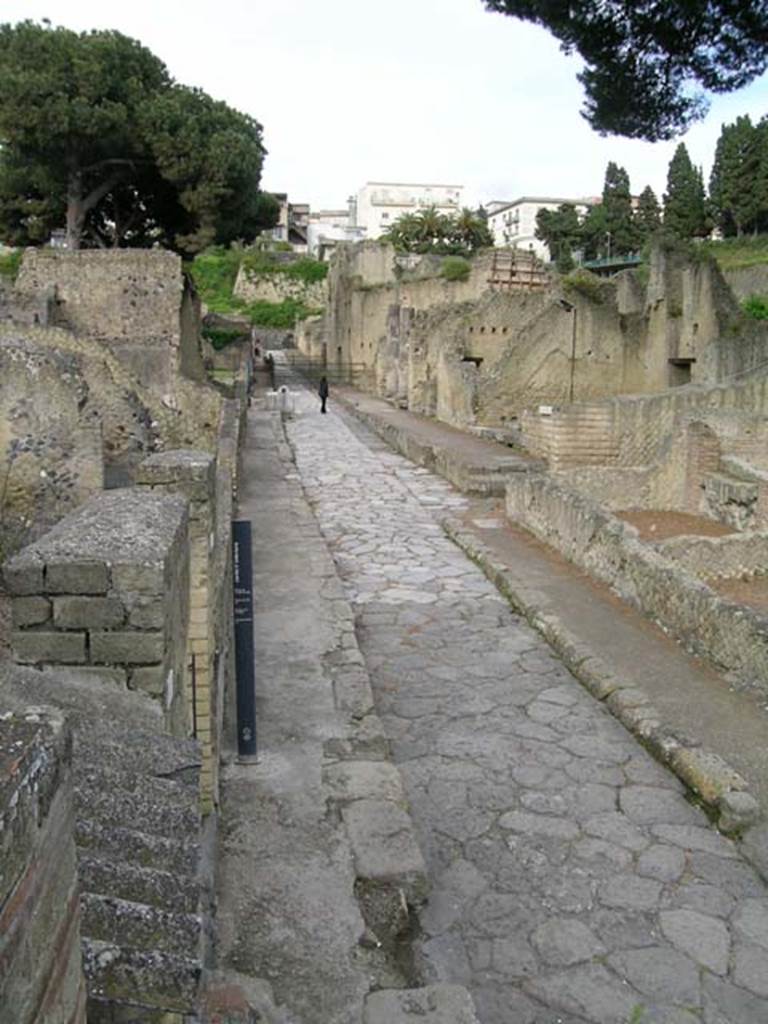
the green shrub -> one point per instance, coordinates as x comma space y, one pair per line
10, 262
455, 268
281, 315
586, 283
220, 337
214, 272
756, 306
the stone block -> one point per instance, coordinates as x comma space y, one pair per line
147, 614
150, 678
138, 648
738, 810
384, 847
87, 612
138, 578
76, 577
30, 611
433, 1004
360, 780
33, 647
24, 574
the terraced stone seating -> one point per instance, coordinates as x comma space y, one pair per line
145, 894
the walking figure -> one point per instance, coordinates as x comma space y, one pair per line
323, 392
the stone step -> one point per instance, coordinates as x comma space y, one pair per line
154, 808
139, 978
95, 776
160, 756
160, 853
138, 926
161, 889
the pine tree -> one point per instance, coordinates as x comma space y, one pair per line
685, 202
617, 207
648, 213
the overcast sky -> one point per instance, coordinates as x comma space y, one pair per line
350, 91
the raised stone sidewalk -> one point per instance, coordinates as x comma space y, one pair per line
689, 715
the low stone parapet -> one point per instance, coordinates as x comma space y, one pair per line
733, 637
108, 587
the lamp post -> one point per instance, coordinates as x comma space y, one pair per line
569, 307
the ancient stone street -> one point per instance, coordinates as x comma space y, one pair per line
572, 881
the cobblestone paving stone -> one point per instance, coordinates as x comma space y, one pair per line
572, 881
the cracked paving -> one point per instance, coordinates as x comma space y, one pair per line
572, 881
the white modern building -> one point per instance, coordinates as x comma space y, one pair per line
513, 224
329, 227
379, 203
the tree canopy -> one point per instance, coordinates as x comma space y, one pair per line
95, 136
645, 59
431, 231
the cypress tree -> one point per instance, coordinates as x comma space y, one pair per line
685, 203
648, 213
617, 207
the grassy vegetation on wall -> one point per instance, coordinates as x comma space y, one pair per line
215, 272
756, 306
734, 253
10, 261
455, 268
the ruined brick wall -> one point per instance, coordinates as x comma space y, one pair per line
41, 978
731, 636
108, 589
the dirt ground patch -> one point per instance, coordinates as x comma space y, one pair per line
752, 592
656, 524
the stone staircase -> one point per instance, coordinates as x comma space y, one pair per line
145, 887
143, 901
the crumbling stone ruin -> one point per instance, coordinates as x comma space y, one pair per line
121, 645
641, 395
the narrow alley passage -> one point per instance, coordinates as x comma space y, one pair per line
572, 881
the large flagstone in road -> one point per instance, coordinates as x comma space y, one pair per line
572, 881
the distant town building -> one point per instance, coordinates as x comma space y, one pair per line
329, 227
513, 224
292, 224
379, 203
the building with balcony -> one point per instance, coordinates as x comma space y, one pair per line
379, 203
513, 224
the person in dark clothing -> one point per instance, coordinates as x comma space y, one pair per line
323, 392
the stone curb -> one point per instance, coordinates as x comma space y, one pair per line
719, 786
361, 783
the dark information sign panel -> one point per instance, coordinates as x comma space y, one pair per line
244, 668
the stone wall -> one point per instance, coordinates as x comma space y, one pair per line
746, 281
251, 286
51, 447
96, 423
733, 637
41, 977
637, 428
133, 300
108, 588
736, 556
